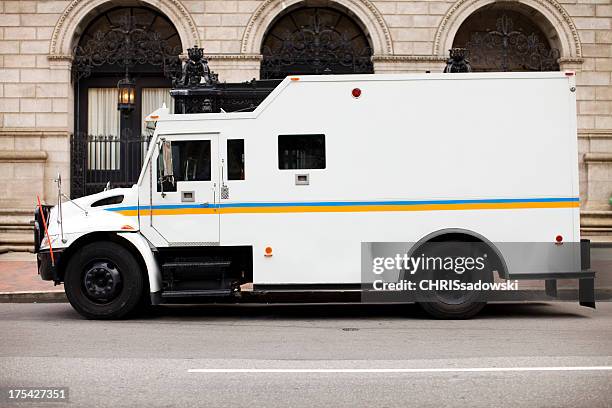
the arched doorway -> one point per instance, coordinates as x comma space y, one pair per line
315, 40
508, 37
137, 43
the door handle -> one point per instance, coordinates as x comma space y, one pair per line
224, 195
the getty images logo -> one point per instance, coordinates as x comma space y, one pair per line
411, 264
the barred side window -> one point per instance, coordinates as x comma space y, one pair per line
297, 152
235, 159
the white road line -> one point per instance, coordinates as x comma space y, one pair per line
393, 370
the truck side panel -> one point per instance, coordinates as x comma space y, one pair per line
488, 153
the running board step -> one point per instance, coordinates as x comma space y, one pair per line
195, 264
193, 270
196, 293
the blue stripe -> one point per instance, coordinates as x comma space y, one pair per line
352, 203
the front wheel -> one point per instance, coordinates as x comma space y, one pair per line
103, 281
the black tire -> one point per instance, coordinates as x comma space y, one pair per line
118, 292
456, 305
444, 311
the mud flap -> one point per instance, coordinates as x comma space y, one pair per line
550, 285
586, 292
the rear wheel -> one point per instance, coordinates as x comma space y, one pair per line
441, 310
456, 304
104, 281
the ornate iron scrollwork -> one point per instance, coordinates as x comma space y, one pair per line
127, 41
314, 40
507, 49
199, 89
196, 71
457, 61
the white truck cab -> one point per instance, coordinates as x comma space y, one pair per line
282, 199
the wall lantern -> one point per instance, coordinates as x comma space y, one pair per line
127, 94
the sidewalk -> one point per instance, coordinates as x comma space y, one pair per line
20, 282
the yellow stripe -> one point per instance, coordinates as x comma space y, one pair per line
352, 208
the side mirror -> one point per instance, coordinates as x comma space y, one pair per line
166, 153
165, 168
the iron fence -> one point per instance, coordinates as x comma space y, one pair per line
99, 159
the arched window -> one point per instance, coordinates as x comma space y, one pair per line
502, 37
136, 37
134, 42
315, 40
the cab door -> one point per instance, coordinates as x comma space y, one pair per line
184, 204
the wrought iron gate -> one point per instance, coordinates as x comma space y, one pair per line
135, 40
98, 160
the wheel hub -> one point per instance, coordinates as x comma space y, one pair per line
102, 282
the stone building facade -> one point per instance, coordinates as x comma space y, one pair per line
38, 90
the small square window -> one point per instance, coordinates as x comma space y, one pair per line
300, 152
235, 159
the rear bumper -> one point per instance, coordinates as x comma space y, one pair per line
586, 284
47, 269
586, 277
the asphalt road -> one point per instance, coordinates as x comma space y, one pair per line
145, 362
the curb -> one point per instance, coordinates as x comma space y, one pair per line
33, 297
601, 295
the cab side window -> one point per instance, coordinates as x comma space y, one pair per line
191, 161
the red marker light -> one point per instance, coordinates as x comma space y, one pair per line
559, 239
356, 93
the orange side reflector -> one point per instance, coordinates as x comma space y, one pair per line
155, 117
295, 78
268, 251
127, 227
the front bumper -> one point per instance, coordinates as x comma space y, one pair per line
47, 269
46, 265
